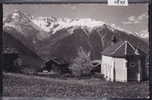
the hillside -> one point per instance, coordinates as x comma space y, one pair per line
65, 44
26, 53
62, 37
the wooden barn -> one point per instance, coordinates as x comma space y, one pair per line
123, 62
57, 65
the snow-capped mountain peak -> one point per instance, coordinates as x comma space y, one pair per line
51, 25
55, 24
15, 15
82, 22
22, 23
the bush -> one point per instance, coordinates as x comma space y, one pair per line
12, 66
29, 70
81, 64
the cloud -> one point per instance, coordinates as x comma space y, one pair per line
120, 29
135, 20
126, 22
144, 33
142, 16
131, 18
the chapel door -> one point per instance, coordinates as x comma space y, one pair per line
132, 68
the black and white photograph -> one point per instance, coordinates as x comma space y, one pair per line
75, 50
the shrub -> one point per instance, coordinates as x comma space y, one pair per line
81, 64
12, 68
12, 65
29, 70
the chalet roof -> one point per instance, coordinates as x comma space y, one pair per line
122, 49
57, 60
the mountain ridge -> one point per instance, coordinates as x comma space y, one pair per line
64, 36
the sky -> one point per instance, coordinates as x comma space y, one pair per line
133, 18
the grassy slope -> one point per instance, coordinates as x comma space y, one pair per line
22, 85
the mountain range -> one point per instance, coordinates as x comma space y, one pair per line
46, 37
